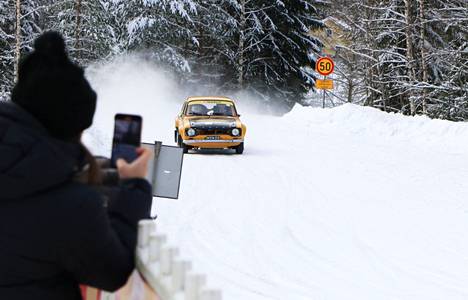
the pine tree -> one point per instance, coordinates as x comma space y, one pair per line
86, 26
288, 51
261, 46
163, 28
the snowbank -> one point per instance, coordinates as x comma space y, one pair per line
359, 120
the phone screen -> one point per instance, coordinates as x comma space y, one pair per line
127, 137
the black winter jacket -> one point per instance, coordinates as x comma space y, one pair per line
55, 233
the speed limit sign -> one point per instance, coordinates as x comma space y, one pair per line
324, 66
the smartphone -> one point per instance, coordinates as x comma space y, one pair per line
127, 137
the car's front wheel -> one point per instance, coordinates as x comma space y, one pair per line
181, 144
178, 138
240, 148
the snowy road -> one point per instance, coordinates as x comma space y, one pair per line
345, 203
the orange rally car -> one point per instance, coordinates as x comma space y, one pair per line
209, 122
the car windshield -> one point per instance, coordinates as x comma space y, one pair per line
210, 108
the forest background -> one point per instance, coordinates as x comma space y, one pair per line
408, 56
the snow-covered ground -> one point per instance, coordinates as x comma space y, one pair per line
343, 203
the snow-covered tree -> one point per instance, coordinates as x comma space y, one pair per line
443, 42
286, 60
414, 53
403, 55
162, 28
18, 27
85, 24
7, 37
260, 46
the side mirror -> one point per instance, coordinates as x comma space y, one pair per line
238, 115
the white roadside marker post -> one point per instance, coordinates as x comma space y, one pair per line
168, 277
145, 227
179, 271
210, 295
155, 244
167, 257
193, 286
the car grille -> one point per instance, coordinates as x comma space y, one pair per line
213, 131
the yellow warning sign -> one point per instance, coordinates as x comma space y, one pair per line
324, 84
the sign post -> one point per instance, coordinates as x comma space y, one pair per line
324, 66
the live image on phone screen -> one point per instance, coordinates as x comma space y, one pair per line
127, 134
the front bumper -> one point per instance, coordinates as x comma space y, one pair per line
190, 142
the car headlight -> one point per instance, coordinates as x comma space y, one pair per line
191, 132
235, 132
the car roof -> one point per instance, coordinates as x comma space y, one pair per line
201, 98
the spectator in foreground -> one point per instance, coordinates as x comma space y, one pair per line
56, 229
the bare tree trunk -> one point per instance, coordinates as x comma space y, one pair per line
241, 61
422, 34
410, 53
77, 29
350, 89
18, 37
370, 99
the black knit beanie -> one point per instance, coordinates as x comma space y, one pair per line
54, 90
